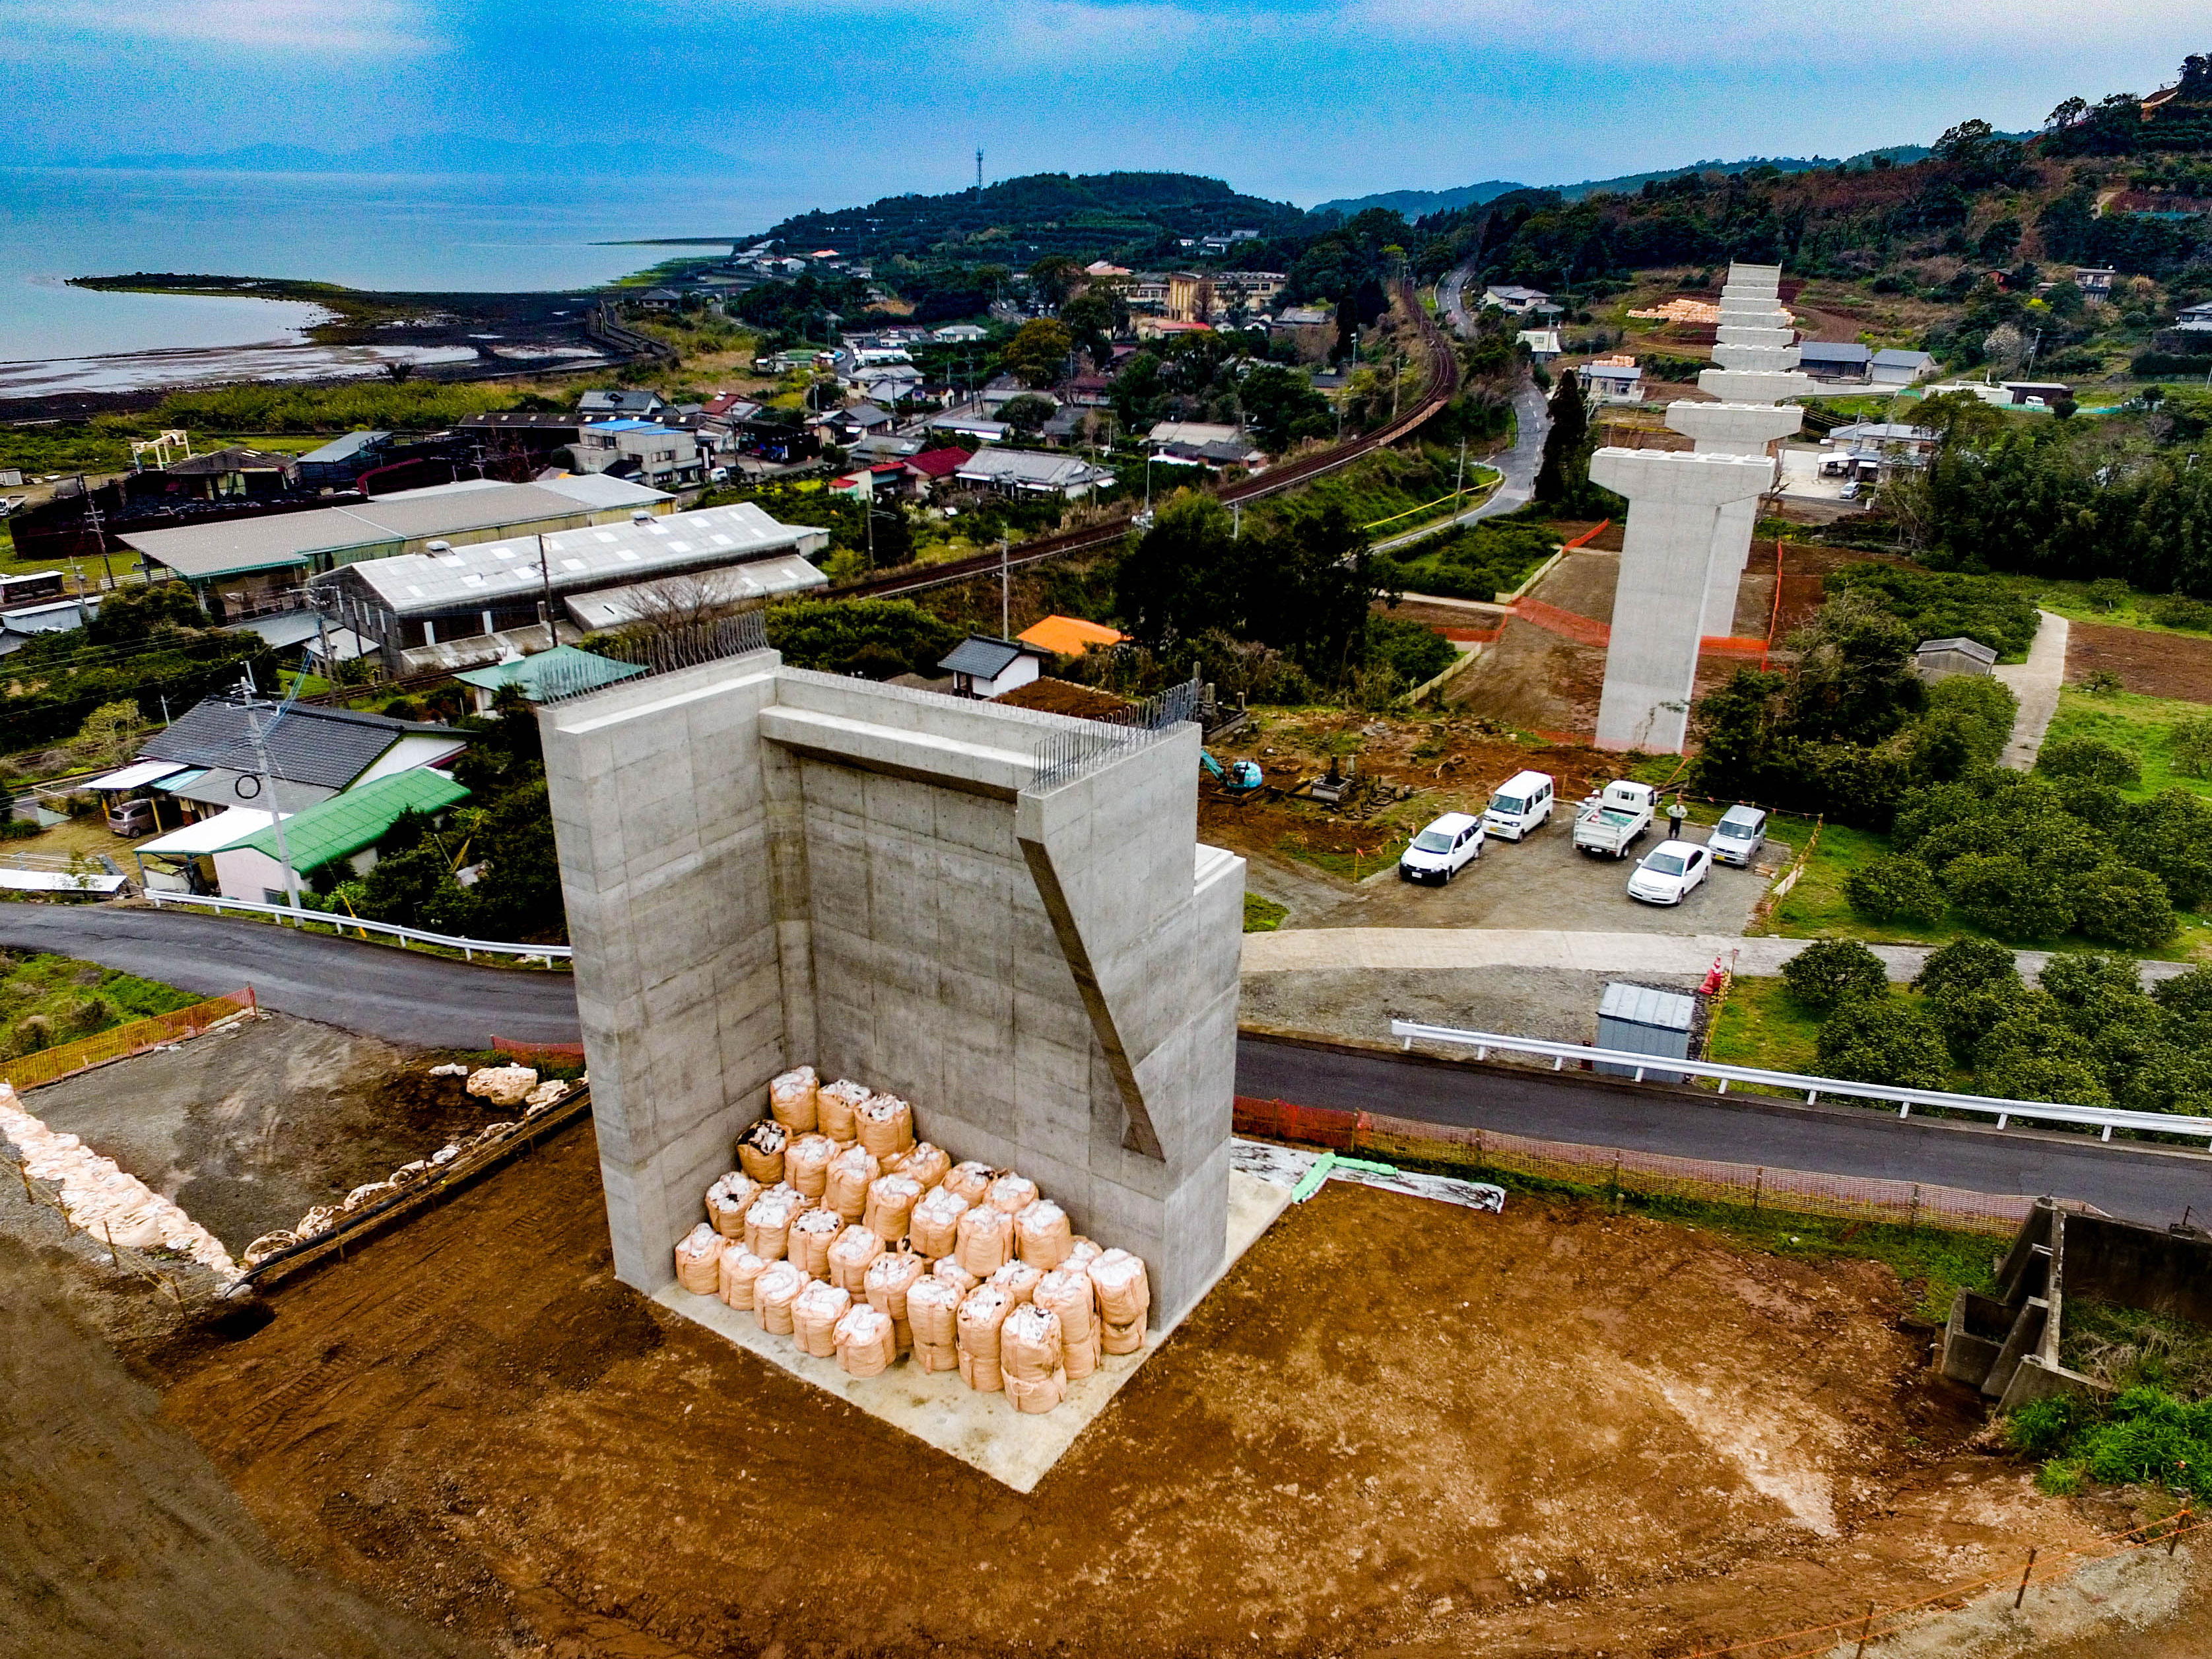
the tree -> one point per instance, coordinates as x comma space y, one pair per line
1875, 1039
1899, 888
1556, 477
1829, 971
2091, 760
1174, 583
1053, 278
2008, 896
1283, 406
1966, 964
1027, 414
2119, 904
1038, 353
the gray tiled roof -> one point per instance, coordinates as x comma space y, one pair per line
328, 747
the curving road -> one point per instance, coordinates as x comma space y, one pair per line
437, 1003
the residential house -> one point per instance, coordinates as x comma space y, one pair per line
1543, 343
1866, 449
620, 403
930, 468
846, 426
959, 334
343, 832
1516, 302
970, 423
984, 666
539, 432
2035, 394
886, 446
1033, 472
1159, 328
339, 464
1835, 360
660, 457
885, 477
561, 671
1612, 381
2095, 281
238, 473
1302, 317
1892, 367
659, 299
1204, 443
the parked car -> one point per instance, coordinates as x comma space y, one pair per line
131, 817
1613, 821
1443, 850
1522, 803
1670, 872
1738, 836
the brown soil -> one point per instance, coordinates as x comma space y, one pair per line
1397, 1425
1056, 697
2156, 665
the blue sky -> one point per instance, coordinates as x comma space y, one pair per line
832, 100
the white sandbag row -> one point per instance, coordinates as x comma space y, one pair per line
840, 1231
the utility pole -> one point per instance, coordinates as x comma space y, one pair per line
98, 536
1005, 595
546, 575
275, 812
1459, 485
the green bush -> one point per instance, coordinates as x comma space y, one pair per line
2179, 611
1967, 1015
1830, 971
2109, 592
2042, 1427
2189, 746
1878, 1039
2090, 759
2007, 896
2020, 1076
2170, 835
1415, 653
1966, 964
2082, 980
880, 638
2119, 904
1899, 888
2187, 996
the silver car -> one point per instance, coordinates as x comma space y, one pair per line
1738, 836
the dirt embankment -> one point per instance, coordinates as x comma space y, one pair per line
1395, 1425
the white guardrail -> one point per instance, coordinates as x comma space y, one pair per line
468, 947
2042, 1111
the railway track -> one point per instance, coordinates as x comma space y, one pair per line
1443, 385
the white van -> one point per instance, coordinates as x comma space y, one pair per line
1522, 803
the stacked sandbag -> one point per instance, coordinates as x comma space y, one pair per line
741, 1271
774, 1291
1011, 1192
1018, 1280
1124, 1298
699, 1259
1083, 1252
932, 1307
806, 1162
889, 1212
835, 1104
935, 1228
984, 1240
1042, 1236
864, 1342
814, 1315
886, 1126
982, 1315
850, 1255
760, 1151
970, 1179
846, 1190
768, 1222
812, 1236
728, 1199
890, 1278
1067, 1291
954, 1274
791, 1099
925, 1165
1030, 1360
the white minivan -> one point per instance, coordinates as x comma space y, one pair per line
1522, 803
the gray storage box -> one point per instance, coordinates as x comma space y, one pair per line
1638, 1020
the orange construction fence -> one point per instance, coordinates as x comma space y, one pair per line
29, 1070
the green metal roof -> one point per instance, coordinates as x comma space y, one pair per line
343, 825
579, 670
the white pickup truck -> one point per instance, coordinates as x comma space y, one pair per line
1615, 820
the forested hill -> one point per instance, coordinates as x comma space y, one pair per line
1016, 222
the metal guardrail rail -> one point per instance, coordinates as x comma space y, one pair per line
2105, 1118
467, 947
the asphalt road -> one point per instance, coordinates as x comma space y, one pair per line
399, 995
432, 1002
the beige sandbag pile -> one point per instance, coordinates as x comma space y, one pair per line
932, 1307
890, 1278
1011, 1192
1031, 1360
984, 1240
981, 1314
835, 1104
1083, 1252
1068, 1293
774, 1291
791, 1099
767, 1223
950, 1270
1018, 1280
806, 1162
970, 1179
850, 1255
1042, 1236
699, 1260
935, 1228
814, 1315
864, 1342
503, 1085
728, 1199
889, 1212
846, 1190
886, 1126
741, 1271
1124, 1298
812, 1236
760, 1151
925, 1165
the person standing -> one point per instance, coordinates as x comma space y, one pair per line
1676, 812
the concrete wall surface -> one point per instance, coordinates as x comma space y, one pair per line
766, 867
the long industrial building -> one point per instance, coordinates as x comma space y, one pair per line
456, 606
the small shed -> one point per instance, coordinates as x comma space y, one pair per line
1939, 660
982, 665
1640, 1019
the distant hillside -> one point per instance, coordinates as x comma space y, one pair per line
1417, 204
1016, 221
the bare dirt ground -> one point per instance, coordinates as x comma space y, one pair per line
250, 1129
2155, 665
1397, 1425
1358, 1004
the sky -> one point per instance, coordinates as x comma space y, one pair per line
827, 102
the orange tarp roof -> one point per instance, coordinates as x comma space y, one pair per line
1068, 636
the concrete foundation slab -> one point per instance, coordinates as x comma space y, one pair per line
983, 1431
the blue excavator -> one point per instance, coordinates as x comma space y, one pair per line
1238, 777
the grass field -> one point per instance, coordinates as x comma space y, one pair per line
45, 999
2136, 724
1263, 915
1760, 1024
